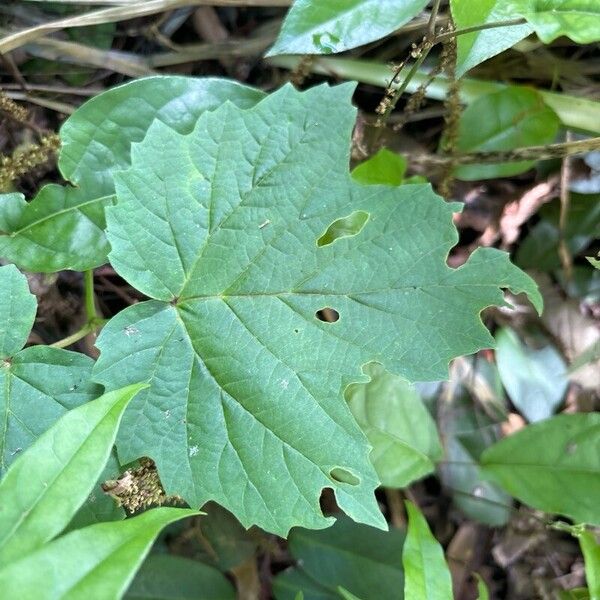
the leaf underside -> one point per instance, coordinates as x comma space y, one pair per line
246, 404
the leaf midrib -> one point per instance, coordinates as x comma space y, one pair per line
58, 213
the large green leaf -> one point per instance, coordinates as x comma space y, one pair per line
364, 561
165, 577
553, 465
328, 26
535, 378
505, 120
98, 561
405, 441
576, 19
245, 405
63, 227
45, 486
474, 48
38, 384
426, 574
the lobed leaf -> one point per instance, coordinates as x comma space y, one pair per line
45, 486
98, 561
329, 26
245, 402
540, 462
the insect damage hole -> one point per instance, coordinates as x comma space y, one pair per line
328, 315
343, 476
345, 227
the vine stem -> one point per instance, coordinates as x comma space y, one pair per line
89, 297
94, 322
442, 37
79, 334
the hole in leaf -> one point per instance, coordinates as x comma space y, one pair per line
327, 315
343, 476
344, 227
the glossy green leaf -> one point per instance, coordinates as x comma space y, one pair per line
405, 441
474, 48
18, 307
63, 226
385, 167
364, 561
540, 462
95, 562
426, 574
166, 577
232, 215
329, 26
505, 120
45, 486
38, 384
551, 19
535, 379
591, 554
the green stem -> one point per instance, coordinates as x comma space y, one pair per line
89, 296
450, 34
576, 113
80, 334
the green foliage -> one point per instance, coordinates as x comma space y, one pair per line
363, 561
329, 26
425, 570
98, 561
384, 167
38, 384
405, 441
63, 227
476, 47
535, 378
551, 19
505, 120
60, 469
291, 304
41, 492
249, 187
482, 588
540, 463
167, 577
